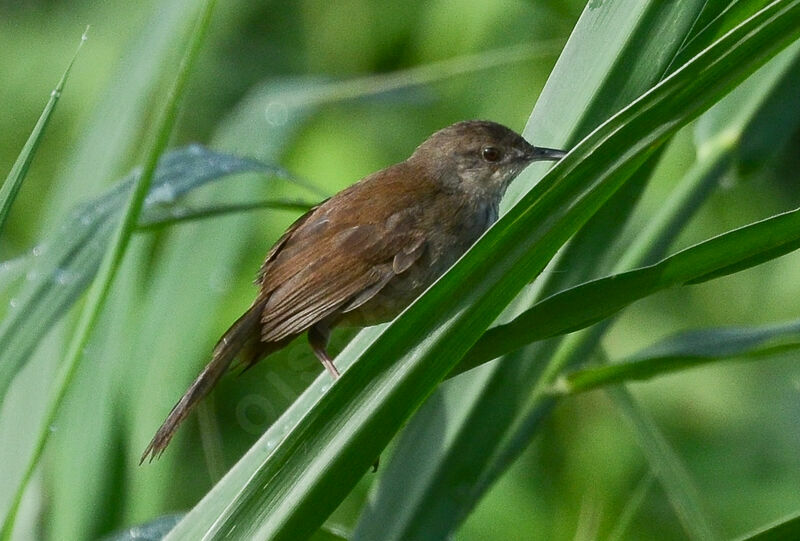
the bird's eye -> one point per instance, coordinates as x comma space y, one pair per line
491, 154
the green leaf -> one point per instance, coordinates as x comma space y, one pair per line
686, 350
13, 182
753, 119
329, 534
650, 243
286, 485
716, 19
632, 506
764, 138
112, 258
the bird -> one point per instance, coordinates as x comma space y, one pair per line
363, 255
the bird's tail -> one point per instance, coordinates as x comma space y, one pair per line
235, 340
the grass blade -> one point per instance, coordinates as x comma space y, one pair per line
713, 161
686, 350
459, 460
109, 144
178, 215
632, 506
13, 182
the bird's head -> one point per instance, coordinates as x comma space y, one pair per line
480, 156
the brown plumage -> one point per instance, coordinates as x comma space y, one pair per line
360, 257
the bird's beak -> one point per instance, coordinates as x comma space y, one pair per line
540, 154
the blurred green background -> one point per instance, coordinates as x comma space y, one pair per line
734, 425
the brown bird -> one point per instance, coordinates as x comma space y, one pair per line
360, 257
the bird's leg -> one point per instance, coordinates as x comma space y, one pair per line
318, 339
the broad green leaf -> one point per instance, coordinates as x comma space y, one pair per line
293, 478
13, 182
650, 244
740, 120
685, 350
718, 133
716, 18
59, 269
580, 261
156, 529
767, 135
112, 258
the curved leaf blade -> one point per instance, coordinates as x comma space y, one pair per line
590, 302
651, 243
667, 466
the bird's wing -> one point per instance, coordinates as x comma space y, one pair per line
401, 262
341, 254
279, 244
340, 273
